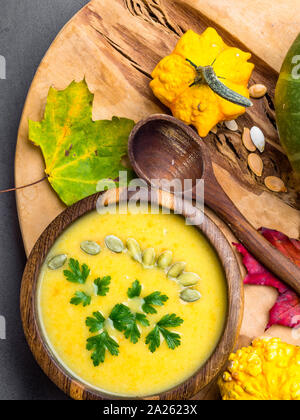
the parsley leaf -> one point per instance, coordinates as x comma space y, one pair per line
99, 344
173, 340
157, 299
121, 316
132, 332
126, 321
170, 320
102, 285
142, 319
81, 297
135, 290
77, 274
95, 323
153, 339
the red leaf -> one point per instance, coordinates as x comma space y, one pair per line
289, 247
296, 243
286, 310
258, 274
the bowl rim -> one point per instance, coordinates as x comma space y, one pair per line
45, 357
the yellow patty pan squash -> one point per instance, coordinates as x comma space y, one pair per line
267, 370
204, 81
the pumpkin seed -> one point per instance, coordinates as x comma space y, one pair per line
232, 125
247, 141
114, 244
165, 259
57, 262
258, 91
188, 279
149, 257
275, 184
134, 249
258, 138
176, 269
256, 164
90, 247
190, 295
214, 130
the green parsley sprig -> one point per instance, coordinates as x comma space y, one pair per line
173, 339
154, 299
95, 322
102, 285
126, 321
99, 344
81, 297
77, 274
134, 290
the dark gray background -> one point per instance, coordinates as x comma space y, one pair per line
27, 28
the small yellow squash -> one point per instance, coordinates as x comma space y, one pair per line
189, 80
267, 370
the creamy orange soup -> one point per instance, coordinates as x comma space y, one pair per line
136, 371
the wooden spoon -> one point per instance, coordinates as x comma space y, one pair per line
162, 147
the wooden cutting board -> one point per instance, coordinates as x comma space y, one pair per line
116, 44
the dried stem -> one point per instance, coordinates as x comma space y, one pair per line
24, 186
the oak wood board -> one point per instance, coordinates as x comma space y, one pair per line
115, 45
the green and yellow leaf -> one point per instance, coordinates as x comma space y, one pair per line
78, 151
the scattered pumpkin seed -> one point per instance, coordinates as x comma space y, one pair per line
275, 184
188, 279
190, 295
134, 249
176, 269
57, 262
149, 257
165, 259
247, 141
90, 247
214, 130
258, 138
232, 125
255, 164
114, 244
258, 91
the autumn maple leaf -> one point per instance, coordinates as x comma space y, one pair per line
78, 151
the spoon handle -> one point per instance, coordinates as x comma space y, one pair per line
257, 245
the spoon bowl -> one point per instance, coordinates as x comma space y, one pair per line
161, 148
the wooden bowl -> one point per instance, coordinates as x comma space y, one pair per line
29, 309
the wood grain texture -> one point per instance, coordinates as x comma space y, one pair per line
40, 348
116, 45
257, 23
